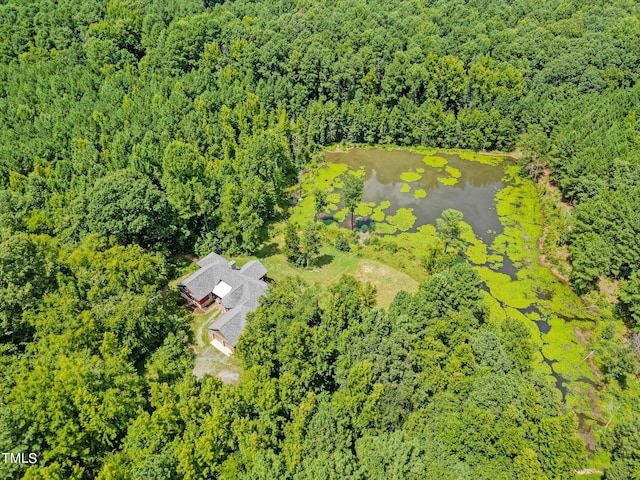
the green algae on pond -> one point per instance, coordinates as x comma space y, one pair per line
410, 177
502, 224
420, 193
403, 220
391, 175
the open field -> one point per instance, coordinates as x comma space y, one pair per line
332, 264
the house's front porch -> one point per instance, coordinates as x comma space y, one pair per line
196, 309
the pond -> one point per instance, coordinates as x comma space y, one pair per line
405, 191
426, 185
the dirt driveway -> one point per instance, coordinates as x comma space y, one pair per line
213, 362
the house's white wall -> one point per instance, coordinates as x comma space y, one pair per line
216, 343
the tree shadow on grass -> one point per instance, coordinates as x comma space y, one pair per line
322, 260
268, 250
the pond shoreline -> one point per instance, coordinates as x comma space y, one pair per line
344, 147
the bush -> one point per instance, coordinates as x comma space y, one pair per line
391, 246
372, 241
342, 244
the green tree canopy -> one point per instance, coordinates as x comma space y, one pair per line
130, 208
352, 193
449, 228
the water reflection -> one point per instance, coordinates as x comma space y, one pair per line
473, 194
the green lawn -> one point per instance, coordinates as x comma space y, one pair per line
332, 264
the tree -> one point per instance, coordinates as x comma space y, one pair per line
516, 339
392, 457
183, 172
352, 193
320, 197
622, 441
310, 242
130, 208
292, 243
24, 278
449, 228
345, 305
630, 299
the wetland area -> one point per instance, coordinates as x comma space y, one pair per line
405, 191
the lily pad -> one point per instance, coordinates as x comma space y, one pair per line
405, 188
420, 193
378, 214
481, 158
433, 161
410, 176
325, 177
385, 228
341, 215
364, 209
448, 181
454, 172
404, 219
333, 198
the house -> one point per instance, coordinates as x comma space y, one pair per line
236, 289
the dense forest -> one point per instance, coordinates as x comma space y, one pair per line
134, 133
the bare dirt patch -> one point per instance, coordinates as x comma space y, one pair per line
212, 362
387, 280
609, 288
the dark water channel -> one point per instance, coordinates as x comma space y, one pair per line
473, 194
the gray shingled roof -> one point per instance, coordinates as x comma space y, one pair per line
254, 269
234, 297
212, 259
232, 324
200, 283
246, 289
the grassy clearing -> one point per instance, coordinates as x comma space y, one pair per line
199, 324
332, 264
212, 362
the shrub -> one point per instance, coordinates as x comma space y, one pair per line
342, 244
